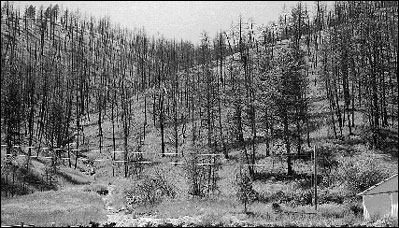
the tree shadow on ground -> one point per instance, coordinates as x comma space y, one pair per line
70, 179
275, 177
25, 182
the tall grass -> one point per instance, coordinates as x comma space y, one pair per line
70, 206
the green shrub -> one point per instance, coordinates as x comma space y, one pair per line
273, 197
211, 220
351, 219
303, 197
245, 192
355, 208
361, 171
326, 197
202, 180
195, 175
387, 221
327, 161
333, 211
149, 190
295, 198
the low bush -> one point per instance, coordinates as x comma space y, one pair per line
326, 197
303, 197
149, 190
355, 208
211, 220
361, 171
202, 180
294, 198
387, 221
245, 192
333, 211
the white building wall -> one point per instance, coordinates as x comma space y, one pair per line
394, 200
377, 205
366, 213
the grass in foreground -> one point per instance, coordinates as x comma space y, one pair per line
66, 207
228, 212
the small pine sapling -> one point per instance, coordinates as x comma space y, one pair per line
245, 193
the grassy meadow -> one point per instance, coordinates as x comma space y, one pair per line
66, 207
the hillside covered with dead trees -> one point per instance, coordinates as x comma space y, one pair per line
124, 104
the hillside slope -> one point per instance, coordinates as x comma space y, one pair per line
177, 121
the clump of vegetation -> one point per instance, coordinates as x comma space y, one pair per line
326, 163
245, 192
212, 220
50, 175
362, 171
294, 198
355, 208
149, 190
201, 173
195, 175
387, 221
325, 196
